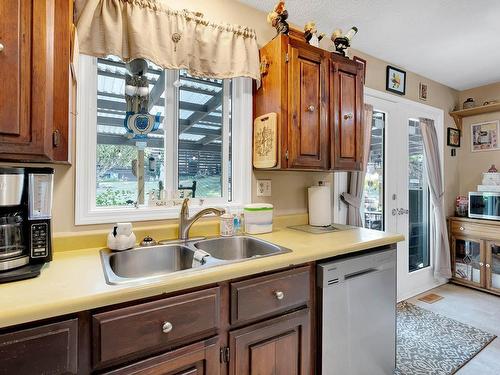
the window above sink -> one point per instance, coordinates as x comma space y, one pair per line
190, 151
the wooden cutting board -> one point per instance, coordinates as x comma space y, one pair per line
265, 141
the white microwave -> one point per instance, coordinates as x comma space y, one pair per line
484, 205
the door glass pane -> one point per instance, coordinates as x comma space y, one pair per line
373, 195
495, 266
128, 165
467, 258
201, 135
418, 199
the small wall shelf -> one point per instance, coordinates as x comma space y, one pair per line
459, 115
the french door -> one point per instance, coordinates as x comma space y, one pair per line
396, 197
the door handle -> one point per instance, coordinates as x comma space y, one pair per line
400, 211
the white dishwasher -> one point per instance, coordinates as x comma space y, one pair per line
357, 297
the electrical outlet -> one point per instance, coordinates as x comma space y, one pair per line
263, 188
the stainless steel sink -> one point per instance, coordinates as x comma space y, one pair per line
146, 262
156, 262
238, 248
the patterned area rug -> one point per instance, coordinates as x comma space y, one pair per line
432, 344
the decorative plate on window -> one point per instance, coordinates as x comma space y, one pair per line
265, 141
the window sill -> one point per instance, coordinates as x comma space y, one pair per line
143, 213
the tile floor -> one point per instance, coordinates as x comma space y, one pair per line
478, 309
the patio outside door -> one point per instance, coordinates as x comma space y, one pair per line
396, 195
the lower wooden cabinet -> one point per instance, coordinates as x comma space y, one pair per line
49, 349
475, 253
210, 331
201, 358
279, 346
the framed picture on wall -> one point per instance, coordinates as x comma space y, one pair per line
395, 80
362, 62
484, 136
453, 137
422, 92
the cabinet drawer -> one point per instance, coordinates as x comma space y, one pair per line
484, 231
48, 349
267, 295
150, 327
195, 359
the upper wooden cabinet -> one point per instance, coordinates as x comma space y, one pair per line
34, 70
346, 101
318, 97
308, 108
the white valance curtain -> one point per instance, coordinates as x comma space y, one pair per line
438, 229
148, 29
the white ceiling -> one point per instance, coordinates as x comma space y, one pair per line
454, 42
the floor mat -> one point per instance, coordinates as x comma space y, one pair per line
431, 298
432, 344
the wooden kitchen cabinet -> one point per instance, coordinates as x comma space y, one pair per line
279, 346
49, 349
308, 108
475, 253
260, 324
346, 101
318, 98
35, 38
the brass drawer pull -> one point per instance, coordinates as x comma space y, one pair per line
348, 116
167, 327
1, 47
311, 108
279, 295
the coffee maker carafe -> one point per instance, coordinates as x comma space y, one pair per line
25, 221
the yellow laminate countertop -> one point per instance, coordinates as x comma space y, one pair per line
74, 281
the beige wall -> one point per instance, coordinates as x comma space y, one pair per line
288, 190
473, 164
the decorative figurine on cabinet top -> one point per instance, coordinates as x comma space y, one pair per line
342, 42
277, 18
311, 33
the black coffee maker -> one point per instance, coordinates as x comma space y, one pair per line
25, 221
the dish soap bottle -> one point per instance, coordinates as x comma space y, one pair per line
226, 224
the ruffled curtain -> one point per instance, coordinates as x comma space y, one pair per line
354, 197
148, 29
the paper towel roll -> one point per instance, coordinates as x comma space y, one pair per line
320, 206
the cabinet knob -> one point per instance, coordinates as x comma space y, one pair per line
167, 327
487, 265
348, 116
1, 47
279, 295
311, 108
461, 228
481, 264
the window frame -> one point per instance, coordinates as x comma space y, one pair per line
86, 211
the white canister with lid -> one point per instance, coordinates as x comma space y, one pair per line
258, 218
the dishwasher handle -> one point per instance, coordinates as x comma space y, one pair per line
360, 273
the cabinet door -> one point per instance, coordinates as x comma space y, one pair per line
15, 55
468, 260
308, 109
278, 346
346, 102
201, 358
493, 266
50, 349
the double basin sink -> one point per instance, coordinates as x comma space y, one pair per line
155, 262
